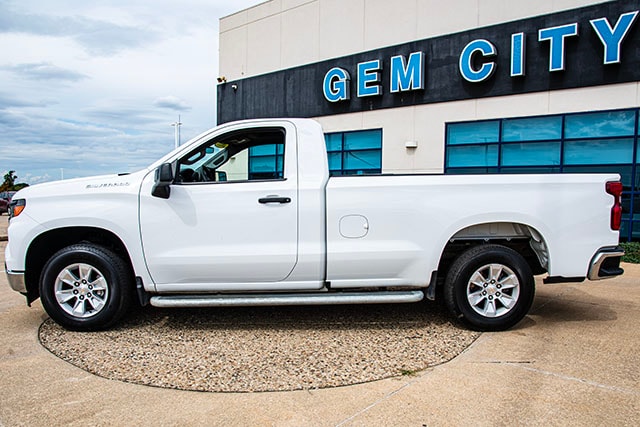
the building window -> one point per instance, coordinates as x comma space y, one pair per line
266, 161
354, 153
605, 141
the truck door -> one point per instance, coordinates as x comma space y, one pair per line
231, 219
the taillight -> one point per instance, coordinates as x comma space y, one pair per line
615, 189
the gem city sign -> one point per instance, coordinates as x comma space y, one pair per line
584, 47
476, 62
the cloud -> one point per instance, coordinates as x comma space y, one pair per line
44, 71
86, 85
125, 115
8, 101
172, 103
36, 146
96, 36
34, 179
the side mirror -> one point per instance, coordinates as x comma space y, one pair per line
164, 179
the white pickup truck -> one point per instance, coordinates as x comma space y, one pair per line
246, 214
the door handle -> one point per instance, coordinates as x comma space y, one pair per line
274, 199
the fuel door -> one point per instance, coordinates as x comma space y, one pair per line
354, 226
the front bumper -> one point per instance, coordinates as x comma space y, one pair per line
606, 263
16, 280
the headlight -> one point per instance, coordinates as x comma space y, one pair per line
16, 207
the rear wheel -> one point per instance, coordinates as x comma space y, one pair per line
85, 287
490, 288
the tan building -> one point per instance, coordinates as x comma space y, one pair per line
469, 86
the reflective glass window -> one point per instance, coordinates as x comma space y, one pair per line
266, 150
473, 155
333, 141
363, 140
369, 159
624, 230
636, 231
335, 161
532, 129
354, 153
626, 206
474, 132
531, 154
266, 161
594, 125
600, 151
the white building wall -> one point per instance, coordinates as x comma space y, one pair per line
280, 34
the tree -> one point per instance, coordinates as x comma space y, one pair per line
9, 183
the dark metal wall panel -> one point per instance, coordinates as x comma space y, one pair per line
297, 92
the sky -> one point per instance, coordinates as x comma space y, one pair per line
90, 88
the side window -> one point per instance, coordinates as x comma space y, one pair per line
249, 155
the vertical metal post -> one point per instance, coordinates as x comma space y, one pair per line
177, 131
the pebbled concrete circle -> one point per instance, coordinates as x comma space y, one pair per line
264, 349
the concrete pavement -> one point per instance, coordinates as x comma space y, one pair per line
573, 361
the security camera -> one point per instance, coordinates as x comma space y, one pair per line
222, 79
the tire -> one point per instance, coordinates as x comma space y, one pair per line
85, 287
489, 288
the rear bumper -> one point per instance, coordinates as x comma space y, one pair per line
16, 280
606, 263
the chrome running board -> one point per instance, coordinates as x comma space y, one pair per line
222, 300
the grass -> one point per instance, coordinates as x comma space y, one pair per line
632, 252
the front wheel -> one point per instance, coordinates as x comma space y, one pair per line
490, 288
85, 287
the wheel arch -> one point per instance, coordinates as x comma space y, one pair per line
48, 243
523, 238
